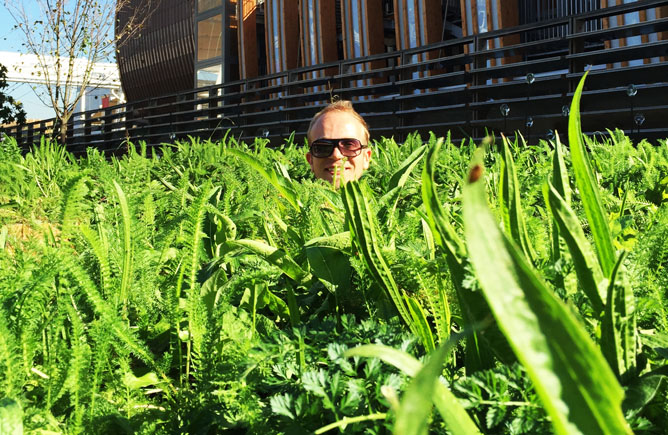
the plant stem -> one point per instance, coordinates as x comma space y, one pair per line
345, 421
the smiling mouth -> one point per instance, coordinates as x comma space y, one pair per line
338, 169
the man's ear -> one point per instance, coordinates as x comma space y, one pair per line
309, 159
367, 157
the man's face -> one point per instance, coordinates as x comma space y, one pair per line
339, 125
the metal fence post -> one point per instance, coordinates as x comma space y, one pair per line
575, 46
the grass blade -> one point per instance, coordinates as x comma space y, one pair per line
474, 308
415, 408
560, 179
401, 175
361, 220
126, 272
275, 256
396, 184
585, 263
571, 377
561, 184
420, 322
426, 389
438, 219
586, 182
618, 327
510, 204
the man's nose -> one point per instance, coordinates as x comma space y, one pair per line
336, 154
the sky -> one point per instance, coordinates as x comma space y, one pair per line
10, 40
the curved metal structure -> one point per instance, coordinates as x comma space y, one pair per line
162, 60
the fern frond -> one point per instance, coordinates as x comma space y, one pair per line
126, 270
149, 211
192, 236
101, 252
9, 361
72, 205
119, 328
79, 363
437, 301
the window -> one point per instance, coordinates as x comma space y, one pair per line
209, 37
205, 5
208, 76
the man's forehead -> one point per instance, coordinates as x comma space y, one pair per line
334, 124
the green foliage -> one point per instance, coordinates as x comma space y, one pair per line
575, 384
10, 109
213, 287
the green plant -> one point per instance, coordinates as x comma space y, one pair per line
214, 286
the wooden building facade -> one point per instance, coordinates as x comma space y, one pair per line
264, 68
194, 43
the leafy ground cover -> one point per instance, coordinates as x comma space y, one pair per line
215, 287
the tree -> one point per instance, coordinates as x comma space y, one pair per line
11, 111
69, 37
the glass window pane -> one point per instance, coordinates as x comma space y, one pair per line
205, 5
211, 75
209, 37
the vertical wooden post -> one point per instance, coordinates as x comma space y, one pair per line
281, 37
247, 38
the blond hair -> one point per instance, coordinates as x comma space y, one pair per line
340, 106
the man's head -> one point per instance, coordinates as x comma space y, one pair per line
349, 155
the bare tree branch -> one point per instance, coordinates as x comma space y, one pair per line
62, 33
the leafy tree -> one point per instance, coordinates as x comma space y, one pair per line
69, 37
10, 109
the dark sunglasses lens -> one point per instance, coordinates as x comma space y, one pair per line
322, 149
349, 146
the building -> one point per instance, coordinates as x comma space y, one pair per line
196, 43
263, 67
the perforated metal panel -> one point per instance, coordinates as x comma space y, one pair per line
160, 60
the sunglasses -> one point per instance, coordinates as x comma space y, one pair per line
323, 148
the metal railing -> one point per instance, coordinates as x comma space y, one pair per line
542, 10
462, 87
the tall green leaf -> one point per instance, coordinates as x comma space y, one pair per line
586, 266
126, 220
560, 181
474, 308
401, 175
571, 377
420, 322
439, 219
361, 220
510, 204
275, 256
619, 339
588, 187
396, 184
